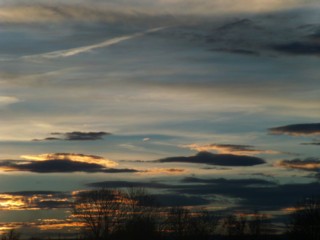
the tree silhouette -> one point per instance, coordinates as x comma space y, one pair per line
10, 235
305, 220
117, 214
183, 224
101, 211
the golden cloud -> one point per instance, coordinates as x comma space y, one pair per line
164, 171
73, 157
228, 149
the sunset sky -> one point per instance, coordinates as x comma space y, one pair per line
203, 102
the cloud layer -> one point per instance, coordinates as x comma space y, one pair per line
297, 129
75, 136
62, 163
216, 159
309, 164
72, 157
235, 149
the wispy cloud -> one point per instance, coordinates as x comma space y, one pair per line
73, 157
309, 164
7, 100
216, 159
75, 51
62, 163
75, 136
228, 149
164, 171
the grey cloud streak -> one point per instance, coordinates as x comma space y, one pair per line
75, 51
59, 166
216, 159
76, 136
297, 129
247, 193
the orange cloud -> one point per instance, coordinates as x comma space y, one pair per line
307, 164
228, 149
165, 171
73, 157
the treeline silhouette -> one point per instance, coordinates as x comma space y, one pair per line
134, 214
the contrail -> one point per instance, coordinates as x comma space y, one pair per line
75, 51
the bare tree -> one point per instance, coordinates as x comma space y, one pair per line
142, 216
235, 225
11, 235
183, 224
100, 210
305, 220
203, 225
178, 222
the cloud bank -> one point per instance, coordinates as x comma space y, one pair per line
76, 136
73, 157
18, 11
228, 149
297, 129
216, 159
62, 163
308, 164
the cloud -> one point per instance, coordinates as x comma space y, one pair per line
57, 13
228, 149
165, 171
316, 143
76, 136
309, 164
31, 200
75, 51
19, 11
8, 100
169, 200
128, 184
73, 157
299, 48
216, 159
58, 166
243, 182
250, 193
297, 129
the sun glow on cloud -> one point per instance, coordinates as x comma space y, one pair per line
228, 149
73, 157
164, 171
9, 202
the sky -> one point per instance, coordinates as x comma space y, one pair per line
205, 103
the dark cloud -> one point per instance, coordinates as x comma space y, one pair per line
312, 143
309, 164
297, 129
169, 200
32, 193
310, 48
51, 204
216, 159
127, 184
238, 51
222, 181
234, 149
59, 166
76, 136
252, 193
